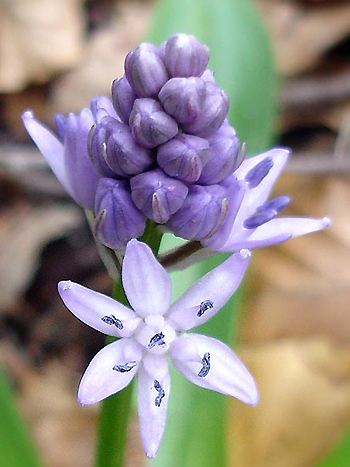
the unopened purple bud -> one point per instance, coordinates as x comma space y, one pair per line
259, 172
224, 154
183, 98
157, 195
183, 157
202, 213
208, 76
214, 111
123, 98
150, 125
123, 155
117, 218
145, 70
97, 150
185, 56
101, 107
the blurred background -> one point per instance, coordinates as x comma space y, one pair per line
294, 328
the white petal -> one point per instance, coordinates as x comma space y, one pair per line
217, 287
255, 197
50, 147
90, 307
100, 380
146, 283
227, 374
152, 404
276, 231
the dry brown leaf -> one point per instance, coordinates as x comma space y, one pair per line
23, 232
38, 38
305, 404
301, 35
104, 59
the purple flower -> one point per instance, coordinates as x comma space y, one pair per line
255, 223
68, 156
156, 331
117, 218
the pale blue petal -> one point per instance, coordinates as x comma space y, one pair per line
153, 403
97, 310
101, 379
50, 147
213, 289
146, 283
226, 374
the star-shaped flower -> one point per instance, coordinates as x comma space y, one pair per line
252, 220
154, 331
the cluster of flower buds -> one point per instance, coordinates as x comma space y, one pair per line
162, 149
166, 144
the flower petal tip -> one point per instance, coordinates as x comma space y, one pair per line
326, 222
64, 285
245, 253
152, 451
27, 115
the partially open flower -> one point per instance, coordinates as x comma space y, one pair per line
256, 223
154, 331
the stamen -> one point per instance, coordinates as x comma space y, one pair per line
255, 175
204, 306
156, 339
266, 212
124, 368
206, 365
161, 393
112, 320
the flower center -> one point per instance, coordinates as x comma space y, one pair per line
155, 334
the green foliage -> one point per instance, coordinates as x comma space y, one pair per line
242, 61
240, 56
340, 456
16, 448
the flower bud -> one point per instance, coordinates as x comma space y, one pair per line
97, 150
145, 70
123, 155
208, 76
213, 113
117, 219
81, 173
123, 98
202, 213
157, 195
183, 157
101, 107
223, 160
185, 56
150, 125
183, 98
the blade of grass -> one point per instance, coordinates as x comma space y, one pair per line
16, 446
243, 64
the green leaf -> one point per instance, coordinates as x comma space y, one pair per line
340, 456
240, 56
242, 61
16, 447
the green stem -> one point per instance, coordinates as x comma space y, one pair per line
115, 411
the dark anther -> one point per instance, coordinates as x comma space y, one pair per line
206, 365
257, 174
156, 339
112, 320
125, 367
204, 306
161, 393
